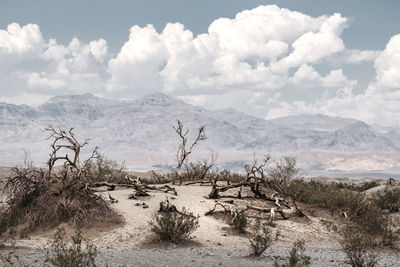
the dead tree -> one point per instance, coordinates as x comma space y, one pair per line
261, 179
183, 152
63, 140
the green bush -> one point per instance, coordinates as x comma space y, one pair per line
357, 247
79, 253
239, 220
261, 239
174, 226
296, 258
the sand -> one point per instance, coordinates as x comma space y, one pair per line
214, 242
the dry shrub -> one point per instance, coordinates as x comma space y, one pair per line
229, 177
38, 200
282, 174
156, 178
44, 198
296, 258
78, 253
360, 187
261, 239
388, 199
239, 220
101, 169
197, 170
359, 209
170, 225
357, 247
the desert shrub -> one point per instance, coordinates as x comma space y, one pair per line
40, 199
296, 258
197, 170
358, 208
388, 199
359, 187
282, 174
229, 177
156, 178
261, 239
101, 169
79, 253
239, 220
357, 247
173, 226
326, 195
44, 198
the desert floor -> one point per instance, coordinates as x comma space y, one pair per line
214, 243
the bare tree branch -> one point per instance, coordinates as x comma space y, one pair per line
182, 153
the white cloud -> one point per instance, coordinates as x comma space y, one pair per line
18, 40
253, 51
32, 64
387, 65
139, 62
268, 61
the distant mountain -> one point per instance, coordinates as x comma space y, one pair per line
316, 122
140, 131
357, 135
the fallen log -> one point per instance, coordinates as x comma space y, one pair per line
141, 189
201, 182
268, 210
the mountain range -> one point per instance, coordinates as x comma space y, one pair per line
140, 132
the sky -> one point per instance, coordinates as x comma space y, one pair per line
265, 58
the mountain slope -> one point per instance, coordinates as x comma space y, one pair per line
142, 130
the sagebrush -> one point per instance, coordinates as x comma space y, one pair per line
297, 256
173, 226
261, 239
77, 253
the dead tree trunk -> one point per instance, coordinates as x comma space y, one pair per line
182, 152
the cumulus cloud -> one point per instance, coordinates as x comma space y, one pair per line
267, 61
253, 51
19, 40
387, 65
31, 64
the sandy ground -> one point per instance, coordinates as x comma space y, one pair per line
214, 242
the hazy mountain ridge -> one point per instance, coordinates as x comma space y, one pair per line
142, 129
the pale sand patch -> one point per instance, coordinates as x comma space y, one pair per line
211, 233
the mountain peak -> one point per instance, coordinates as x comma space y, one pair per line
358, 126
68, 98
158, 99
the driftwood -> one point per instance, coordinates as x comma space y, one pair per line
141, 190
201, 182
165, 206
268, 210
227, 209
260, 177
